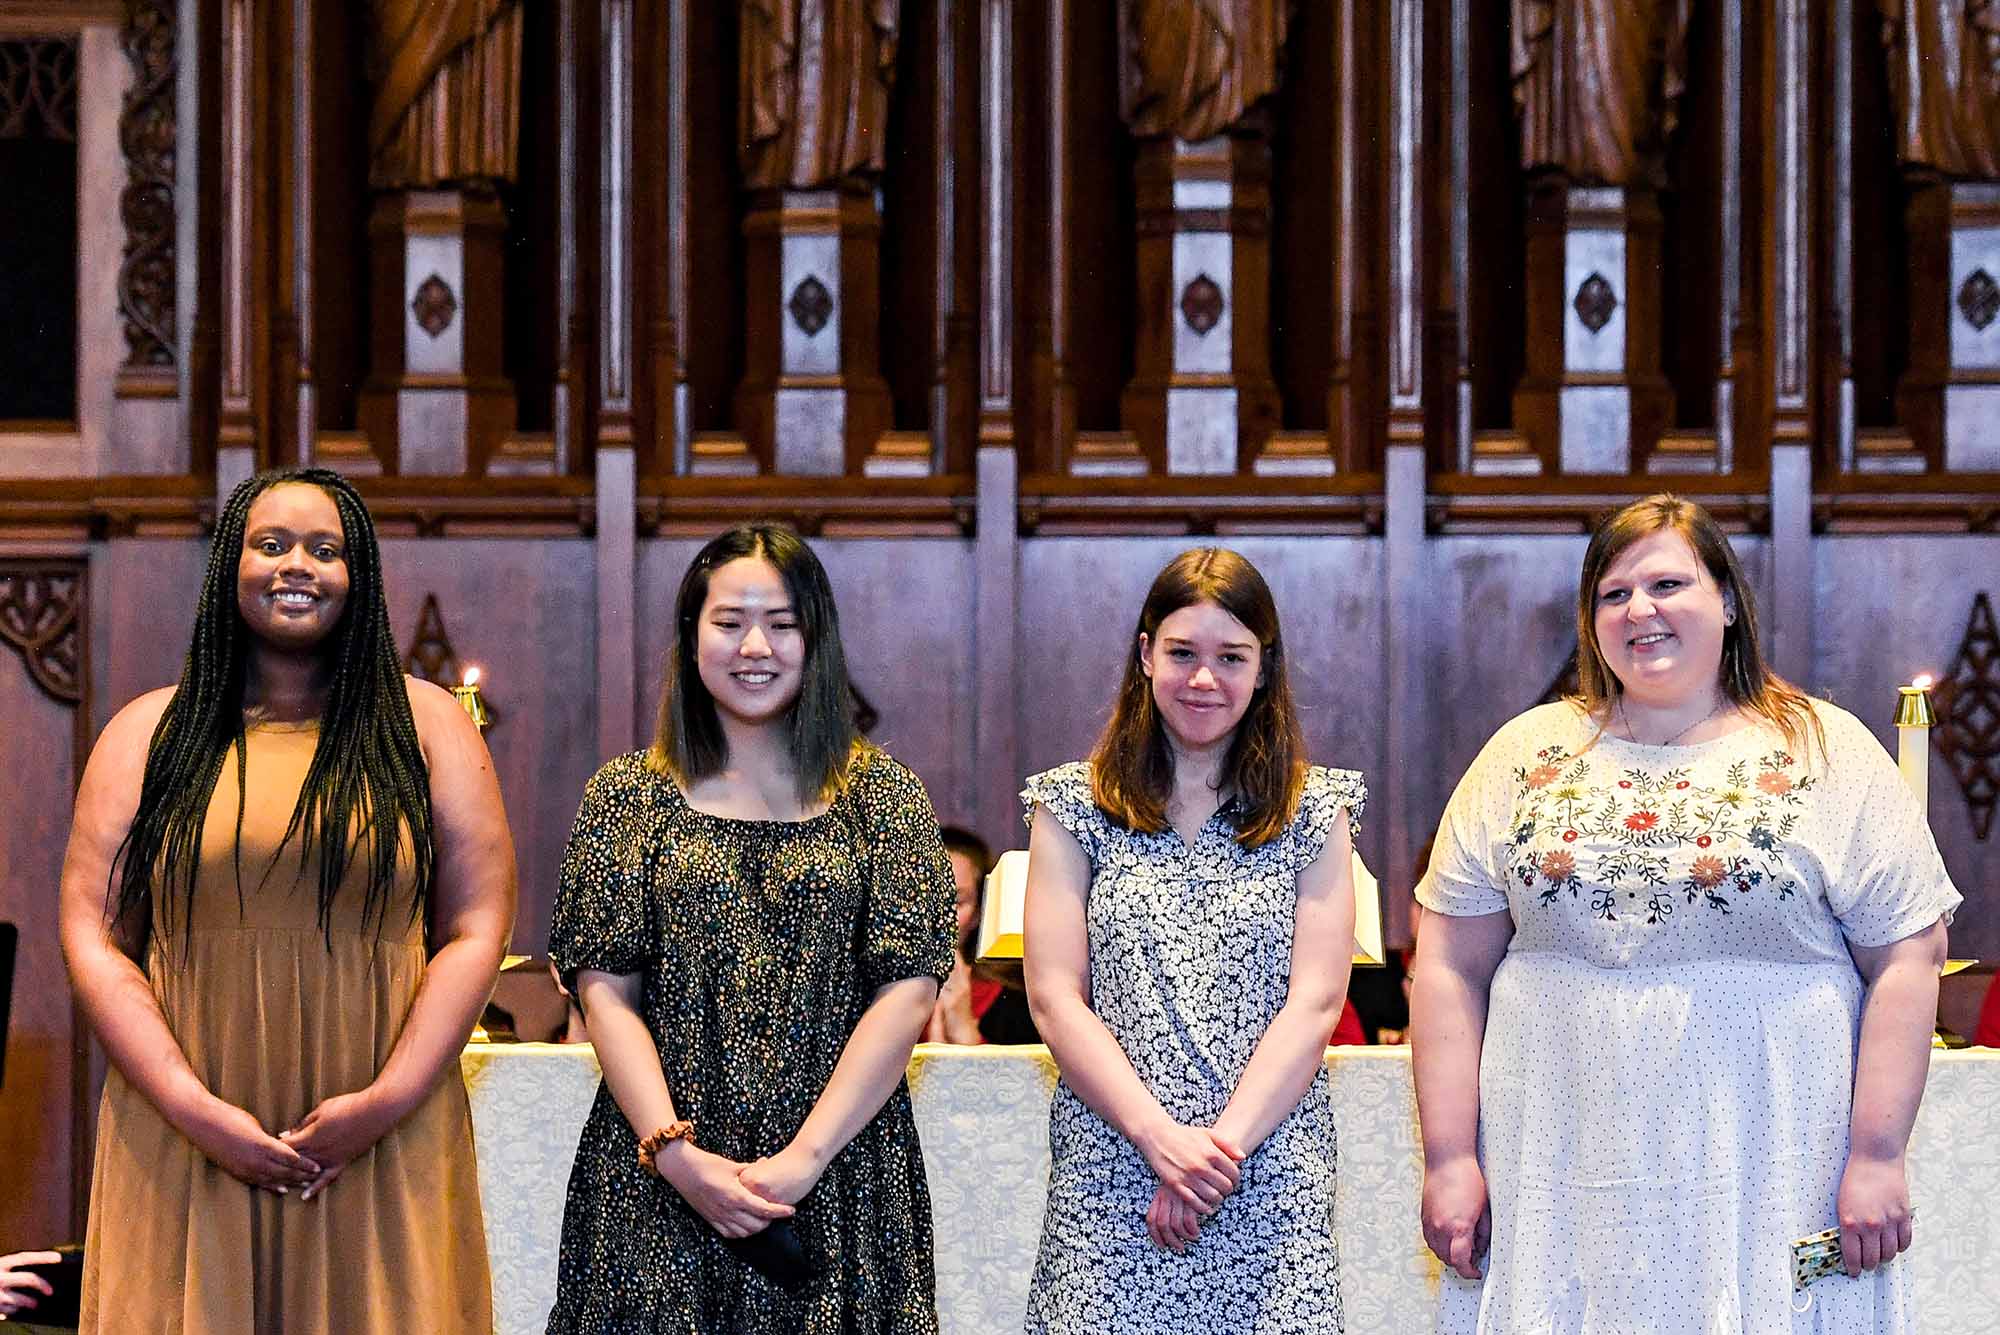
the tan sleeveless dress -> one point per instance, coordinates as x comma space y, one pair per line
274, 1022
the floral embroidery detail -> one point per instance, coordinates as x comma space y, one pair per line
1620, 836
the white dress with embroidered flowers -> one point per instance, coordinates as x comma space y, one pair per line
1667, 1070
1190, 959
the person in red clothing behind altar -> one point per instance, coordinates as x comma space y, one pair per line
978, 1003
1987, 1035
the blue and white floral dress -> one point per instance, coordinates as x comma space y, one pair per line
1667, 1072
1190, 959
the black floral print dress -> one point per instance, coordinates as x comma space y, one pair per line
1190, 959
760, 943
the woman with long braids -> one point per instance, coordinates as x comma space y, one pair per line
755, 914
287, 891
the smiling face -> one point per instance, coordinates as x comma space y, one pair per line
1205, 667
750, 648
1660, 621
291, 580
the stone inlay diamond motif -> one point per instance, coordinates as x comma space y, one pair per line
1979, 299
1968, 709
1595, 302
811, 305
434, 305
1201, 305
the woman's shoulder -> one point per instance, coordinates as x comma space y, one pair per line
138, 719
877, 779
632, 780
1326, 780
1071, 779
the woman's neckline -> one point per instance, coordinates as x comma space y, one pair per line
680, 793
281, 725
1606, 734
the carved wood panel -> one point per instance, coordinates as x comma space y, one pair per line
41, 609
1968, 731
147, 129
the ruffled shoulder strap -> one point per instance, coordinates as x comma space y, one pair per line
1064, 792
1327, 791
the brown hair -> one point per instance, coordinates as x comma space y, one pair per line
687, 737
1745, 678
1132, 767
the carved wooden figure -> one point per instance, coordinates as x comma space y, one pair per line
1944, 84
1195, 68
813, 109
1597, 84
444, 132
1194, 76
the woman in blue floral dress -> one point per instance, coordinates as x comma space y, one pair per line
1675, 986
1189, 925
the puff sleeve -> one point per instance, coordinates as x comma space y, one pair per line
911, 927
603, 916
1884, 877
1467, 874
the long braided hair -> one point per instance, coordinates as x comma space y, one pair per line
367, 771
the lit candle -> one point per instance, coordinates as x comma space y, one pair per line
1914, 720
471, 701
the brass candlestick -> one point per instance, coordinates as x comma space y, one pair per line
471, 701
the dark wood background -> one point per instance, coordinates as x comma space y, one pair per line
985, 606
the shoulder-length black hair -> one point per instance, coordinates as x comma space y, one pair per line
368, 785
688, 741
1132, 769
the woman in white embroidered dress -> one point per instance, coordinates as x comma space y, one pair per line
1674, 995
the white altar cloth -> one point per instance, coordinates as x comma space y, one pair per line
982, 1114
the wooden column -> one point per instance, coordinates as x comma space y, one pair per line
1202, 400
1593, 399
813, 401
437, 403
1949, 399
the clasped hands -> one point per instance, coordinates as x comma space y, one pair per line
1197, 1167
310, 1155
739, 1199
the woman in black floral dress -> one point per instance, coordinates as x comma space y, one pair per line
1190, 921
755, 914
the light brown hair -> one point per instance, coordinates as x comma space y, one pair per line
1744, 676
1132, 767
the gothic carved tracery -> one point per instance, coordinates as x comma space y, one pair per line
38, 88
41, 614
1968, 702
146, 133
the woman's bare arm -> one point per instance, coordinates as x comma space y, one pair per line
1057, 965
1456, 960
103, 956
1293, 1047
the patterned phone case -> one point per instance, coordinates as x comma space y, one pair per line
1815, 1257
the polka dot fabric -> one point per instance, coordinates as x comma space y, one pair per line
1666, 1077
1190, 959
761, 944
